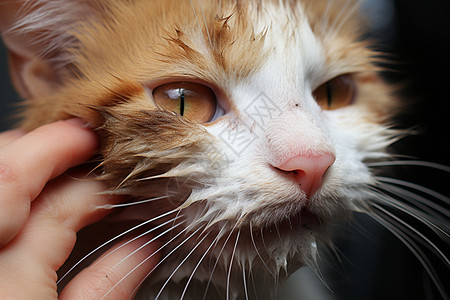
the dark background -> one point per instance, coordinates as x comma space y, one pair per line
380, 266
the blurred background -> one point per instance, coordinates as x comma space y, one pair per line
375, 265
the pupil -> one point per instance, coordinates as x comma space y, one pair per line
329, 95
181, 91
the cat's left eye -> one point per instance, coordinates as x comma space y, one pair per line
336, 93
189, 99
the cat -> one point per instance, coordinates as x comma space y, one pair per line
241, 131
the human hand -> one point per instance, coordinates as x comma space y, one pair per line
41, 211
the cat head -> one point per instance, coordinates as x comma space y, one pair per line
249, 123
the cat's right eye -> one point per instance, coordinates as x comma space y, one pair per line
189, 99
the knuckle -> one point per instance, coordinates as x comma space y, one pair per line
56, 206
9, 172
12, 184
66, 201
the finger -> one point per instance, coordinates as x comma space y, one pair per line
10, 136
65, 206
117, 274
28, 163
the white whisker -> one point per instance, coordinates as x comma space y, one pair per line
112, 240
418, 215
325, 18
158, 264
147, 243
244, 281
179, 266
253, 284
338, 18
343, 19
199, 262
231, 264
257, 251
410, 163
206, 25
415, 187
217, 260
409, 196
316, 270
278, 231
195, 14
427, 242
111, 206
413, 248
263, 241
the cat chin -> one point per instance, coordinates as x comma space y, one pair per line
263, 256
272, 251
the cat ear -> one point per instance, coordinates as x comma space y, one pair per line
37, 35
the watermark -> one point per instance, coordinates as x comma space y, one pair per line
258, 113
239, 137
261, 110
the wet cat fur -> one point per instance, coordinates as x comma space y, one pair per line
237, 218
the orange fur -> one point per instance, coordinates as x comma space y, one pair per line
161, 40
102, 64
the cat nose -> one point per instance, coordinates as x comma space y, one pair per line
308, 170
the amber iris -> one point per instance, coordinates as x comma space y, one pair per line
335, 93
189, 99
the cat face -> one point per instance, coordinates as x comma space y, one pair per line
247, 125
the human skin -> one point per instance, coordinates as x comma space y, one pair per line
43, 206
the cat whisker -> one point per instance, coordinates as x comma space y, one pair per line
244, 281
325, 18
179, 266
200, 261
112, 240
428, 206
339, 17
257, 251
177, 215
412, 231
217, 260
316, 269
198, 22
147, 243
161, 261
384, 199
415, 187
278, 231
111, 206
387, 222
253, 283
344, 15
410, 163
263, 241
231, 263
206, 25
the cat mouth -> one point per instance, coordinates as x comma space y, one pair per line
304, 219
307, 218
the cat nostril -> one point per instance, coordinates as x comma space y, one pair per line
309, 170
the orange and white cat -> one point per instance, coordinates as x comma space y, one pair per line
239, 129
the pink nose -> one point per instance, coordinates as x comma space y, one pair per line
309, 170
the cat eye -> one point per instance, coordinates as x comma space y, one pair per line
189, 99
335, 93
